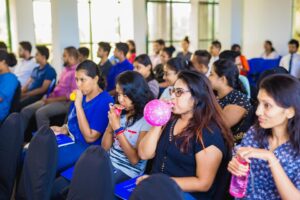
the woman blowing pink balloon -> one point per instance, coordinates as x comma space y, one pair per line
194, 147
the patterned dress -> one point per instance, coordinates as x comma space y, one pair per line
261, 184
236, 97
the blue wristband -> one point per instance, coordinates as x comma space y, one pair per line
119, 130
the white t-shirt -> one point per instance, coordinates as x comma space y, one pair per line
24, 69
272, 55
117, 156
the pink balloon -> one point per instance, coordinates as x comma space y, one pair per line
157, 112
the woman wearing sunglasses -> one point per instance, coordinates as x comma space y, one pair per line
194, 147
171, 71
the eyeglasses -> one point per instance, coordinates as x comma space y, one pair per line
177, 91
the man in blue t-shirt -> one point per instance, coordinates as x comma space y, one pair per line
120, 53
40, 79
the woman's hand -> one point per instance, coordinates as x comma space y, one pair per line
249, 152
78, 100
140, 179
236, 168
246, 153
59, 130
114, 119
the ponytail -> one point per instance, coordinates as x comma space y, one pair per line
92, 71
228, 69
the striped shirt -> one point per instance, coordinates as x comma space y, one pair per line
117, 156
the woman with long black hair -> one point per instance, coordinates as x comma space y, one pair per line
272, 146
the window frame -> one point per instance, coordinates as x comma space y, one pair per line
171, 41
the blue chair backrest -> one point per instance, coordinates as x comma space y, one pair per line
258, 65
51, 87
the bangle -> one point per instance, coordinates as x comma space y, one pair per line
121, 129
120, 132
271, 164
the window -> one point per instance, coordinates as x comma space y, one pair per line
296, 19
168, 20
43, 23
208, 22
5, 30
105, 20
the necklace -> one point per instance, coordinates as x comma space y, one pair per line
163, 165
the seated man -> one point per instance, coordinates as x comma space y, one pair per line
24, 69
103, 52
83, 54
120, 53
200, 60
291, 61
58, 101
40, 80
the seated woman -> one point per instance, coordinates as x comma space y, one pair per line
124, 133
171, 71
87, 119
8, 83
237, 109
165, 55
142, 64
272, 145
195, 145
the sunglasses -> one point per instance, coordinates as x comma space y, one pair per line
177, 91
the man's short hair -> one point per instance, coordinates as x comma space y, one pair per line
105, 46
295, 42
202, 56
160, 42
216, 44
84, 51
121, 46
43, 50
26, 45
3, 46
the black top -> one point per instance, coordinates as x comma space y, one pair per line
159, 73
171, 161
238, 98
186, 57
104, 69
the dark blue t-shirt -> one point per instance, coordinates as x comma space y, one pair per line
40, 75
96, 114
171, 161
8, 84
115, 71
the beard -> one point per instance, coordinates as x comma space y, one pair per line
65, 64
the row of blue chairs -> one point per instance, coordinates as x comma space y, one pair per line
259, 65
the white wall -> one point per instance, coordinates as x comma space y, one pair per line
65, 30
251, 22
266, 19
139, 25
22, 24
